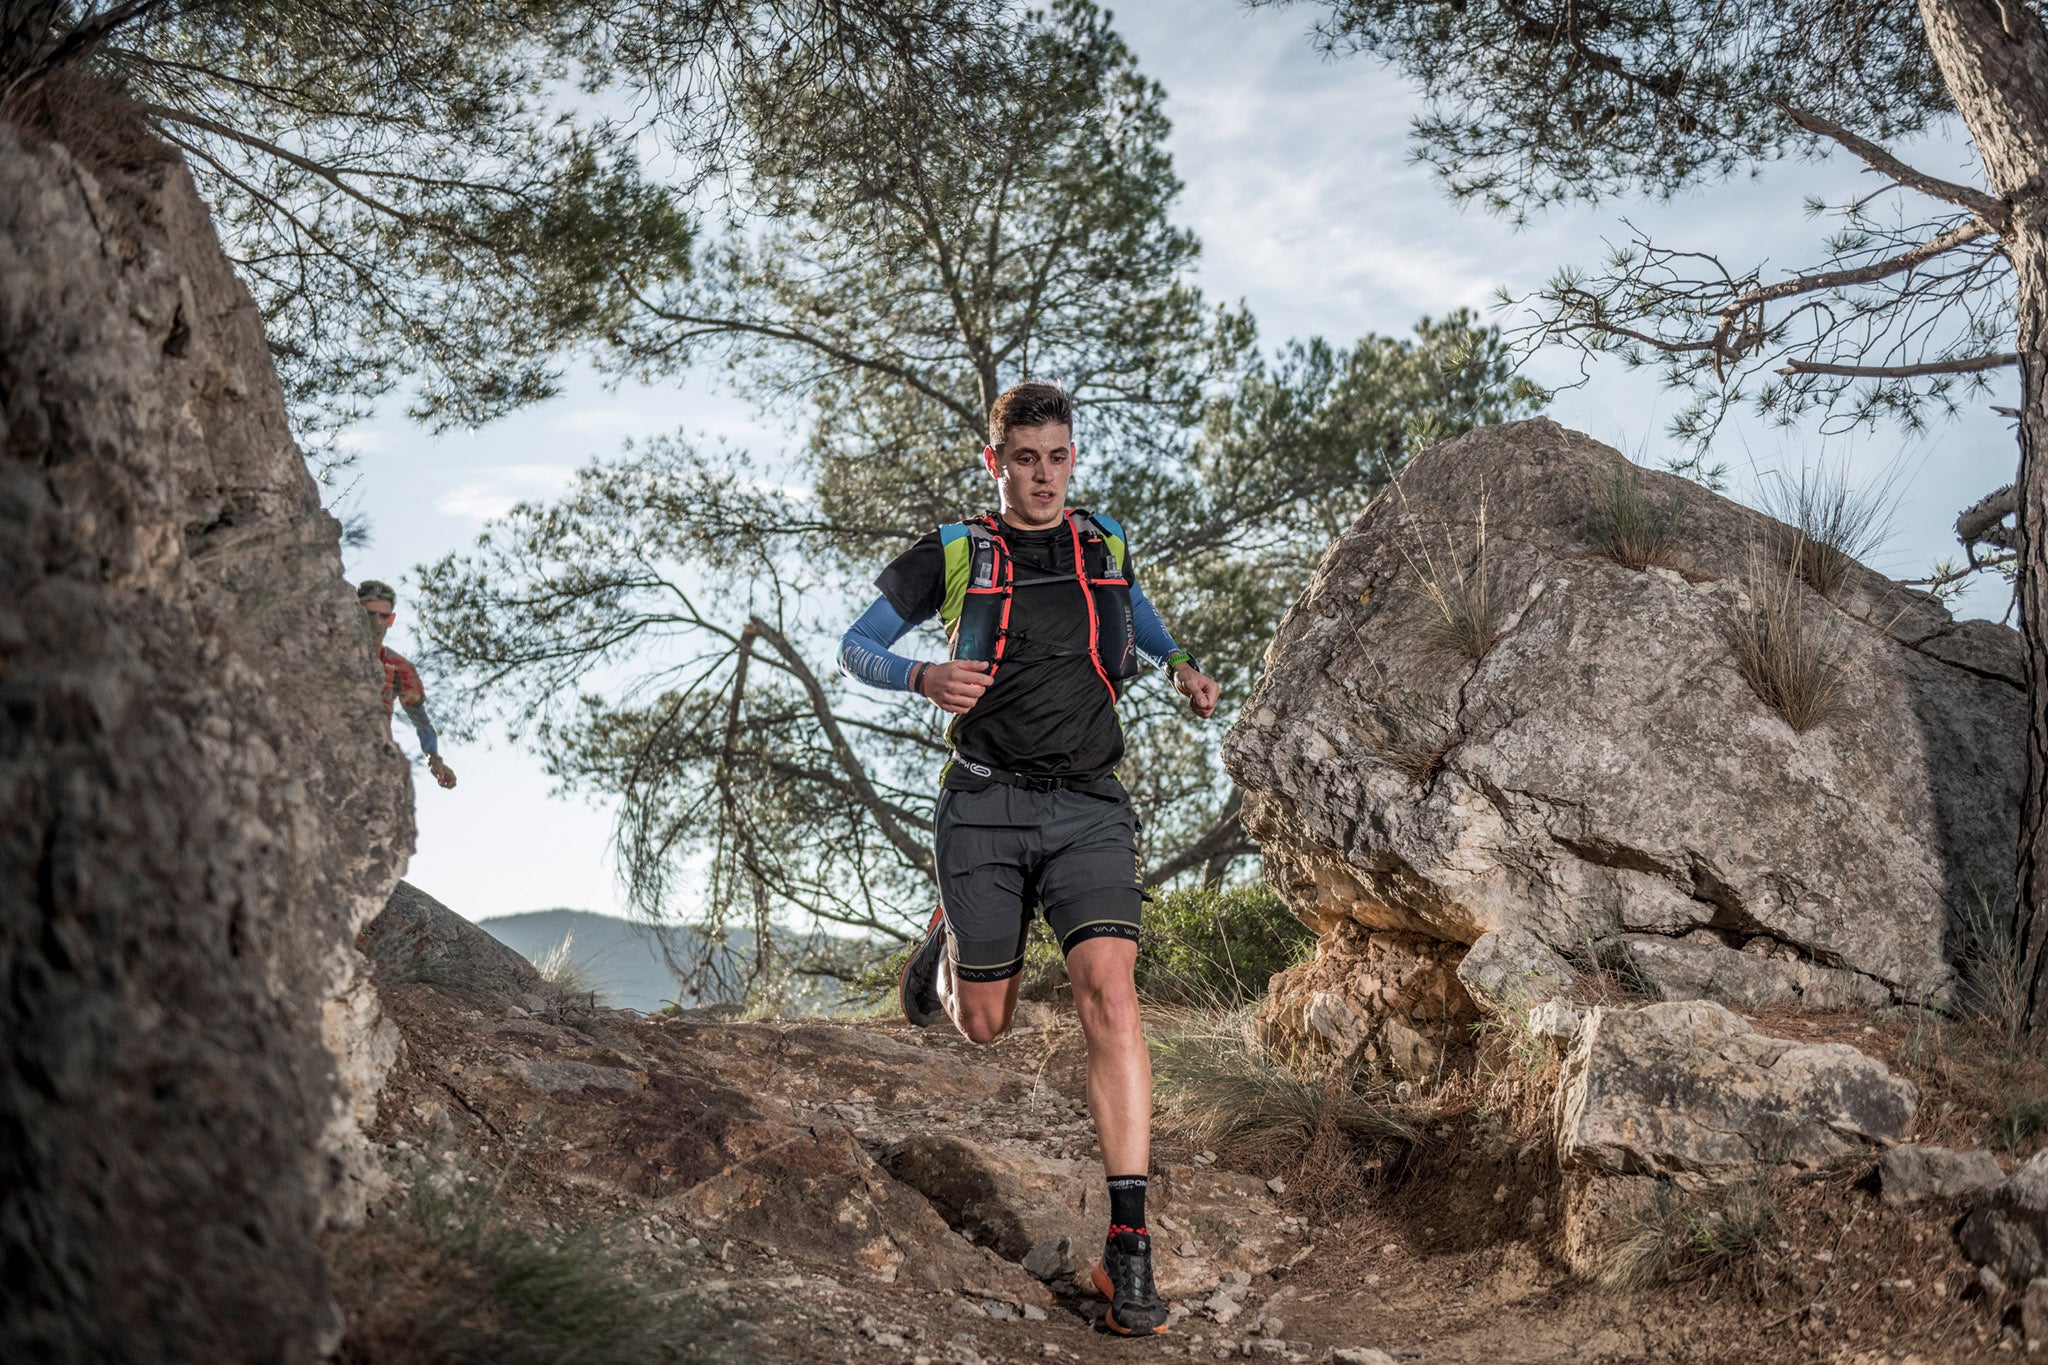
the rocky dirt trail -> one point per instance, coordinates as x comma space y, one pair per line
813, 1191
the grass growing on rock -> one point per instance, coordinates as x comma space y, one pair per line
1830, 523
1417, 734
1632, 528
1465, 590
1793, 655
559, 967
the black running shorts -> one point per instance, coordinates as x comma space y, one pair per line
1003, 850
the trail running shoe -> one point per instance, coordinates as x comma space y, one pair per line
919, 989
1124, 1277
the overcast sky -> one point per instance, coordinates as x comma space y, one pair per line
1300, 186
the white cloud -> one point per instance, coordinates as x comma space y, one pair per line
499, 488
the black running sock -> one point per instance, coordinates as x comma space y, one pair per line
1126, 1203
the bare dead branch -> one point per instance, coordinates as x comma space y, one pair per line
1965, 365
1982, 522
1993, 212
1842, 279
909, 845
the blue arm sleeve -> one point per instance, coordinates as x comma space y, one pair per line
417, 714
864, 653
1153, 637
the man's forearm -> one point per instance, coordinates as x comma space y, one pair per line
865, 654
1154, 641
416, 712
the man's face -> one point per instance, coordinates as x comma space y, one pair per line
1031, 473
381, 615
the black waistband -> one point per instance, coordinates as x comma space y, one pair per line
1032, 782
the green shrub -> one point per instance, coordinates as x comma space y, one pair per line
1217, 946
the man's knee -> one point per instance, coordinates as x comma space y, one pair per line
1109, 1005
981, 1030
981, 1010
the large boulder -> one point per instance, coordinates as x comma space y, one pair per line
202, 803
1602, 786
1688, 1090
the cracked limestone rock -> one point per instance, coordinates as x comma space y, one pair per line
203, 801
1689, 1090
1603, 783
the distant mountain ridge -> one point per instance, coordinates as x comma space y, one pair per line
622, 959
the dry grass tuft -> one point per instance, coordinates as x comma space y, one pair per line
1829, 523
1630, 527
1466, 591
87, 114
1221, 1090
1793, 656
1671, 1240
1418, 737
1993, 972
559, 968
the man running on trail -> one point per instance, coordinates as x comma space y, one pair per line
401, 679
1046, 626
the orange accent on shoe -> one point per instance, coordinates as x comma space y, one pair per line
938, 913
1100, 1279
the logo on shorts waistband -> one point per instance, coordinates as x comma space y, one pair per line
976, 768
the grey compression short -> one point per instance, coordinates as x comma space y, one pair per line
1003, 850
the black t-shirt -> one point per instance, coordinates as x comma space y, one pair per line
1048, 712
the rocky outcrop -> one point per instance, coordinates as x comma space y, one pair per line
1389, 1000
1689, 1090
202, 804
1602, 786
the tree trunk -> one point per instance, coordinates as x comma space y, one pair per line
1994, 58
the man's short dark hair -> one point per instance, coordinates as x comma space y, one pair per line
375, 590
1030, 404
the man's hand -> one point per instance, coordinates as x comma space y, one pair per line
443, 774
1201, 690
956, 686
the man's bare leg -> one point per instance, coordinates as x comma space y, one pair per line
981, 1010
1119, 1068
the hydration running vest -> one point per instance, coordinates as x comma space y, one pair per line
981, 578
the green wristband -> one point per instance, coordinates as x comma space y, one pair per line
1181, 656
